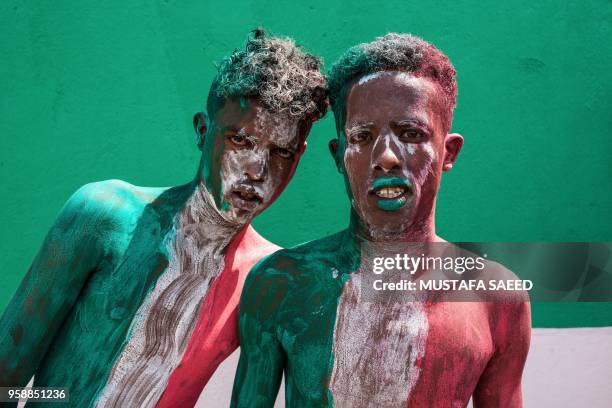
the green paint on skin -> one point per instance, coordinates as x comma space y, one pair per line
165, 79
393, 204
288, 312
104, 253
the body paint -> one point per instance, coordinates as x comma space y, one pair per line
82, 353
336, 348
196, 249
391, 204
252, 168
366, 78
399, 136
159, 332
376, 349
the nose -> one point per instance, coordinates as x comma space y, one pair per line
255, 168
385, 158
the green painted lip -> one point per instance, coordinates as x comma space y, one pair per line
389, 182
390, 204
394, 204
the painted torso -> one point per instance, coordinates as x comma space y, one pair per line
345, 351
160, 304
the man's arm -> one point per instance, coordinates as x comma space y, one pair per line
500, 383
262, 358
49, 289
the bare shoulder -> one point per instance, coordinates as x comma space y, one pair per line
288, 274
509, 308
106, 205
505, 286
255, 245
505, 301
300, 265
116, 193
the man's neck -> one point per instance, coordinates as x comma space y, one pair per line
418, 231
200, 215
361, 245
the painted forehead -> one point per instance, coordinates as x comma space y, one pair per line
393, 93
248, 116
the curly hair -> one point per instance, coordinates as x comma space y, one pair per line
393, 52
276, 71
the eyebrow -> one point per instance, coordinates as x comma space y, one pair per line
361, 125
412, 122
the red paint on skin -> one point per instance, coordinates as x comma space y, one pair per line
215, 335
473, 348
457, 350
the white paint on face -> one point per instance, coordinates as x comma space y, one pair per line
350, 152
404, 78
282, 130
276, 129
382, 100
376, 349
429, 150
387, 143
399, 149
233, 175
367, 78
427, 168
400, 76
162, 326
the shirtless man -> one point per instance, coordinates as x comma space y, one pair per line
303, 310
132, 299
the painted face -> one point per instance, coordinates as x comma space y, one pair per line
249, 156
392, 151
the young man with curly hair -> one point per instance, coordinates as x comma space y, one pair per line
132, 299
309, 311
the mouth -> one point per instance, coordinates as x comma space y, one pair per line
391, 193
246, 198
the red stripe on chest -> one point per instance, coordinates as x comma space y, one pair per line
214, 338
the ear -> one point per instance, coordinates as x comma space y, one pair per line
199, 125
333, 149
452, 146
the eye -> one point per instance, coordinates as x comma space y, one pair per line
284, 153
238, 140
360, 137
411, 135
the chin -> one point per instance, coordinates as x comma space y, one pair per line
391, 224
243, 216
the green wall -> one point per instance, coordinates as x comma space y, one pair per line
94, 90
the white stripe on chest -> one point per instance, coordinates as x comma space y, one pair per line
161, 328
376, 348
